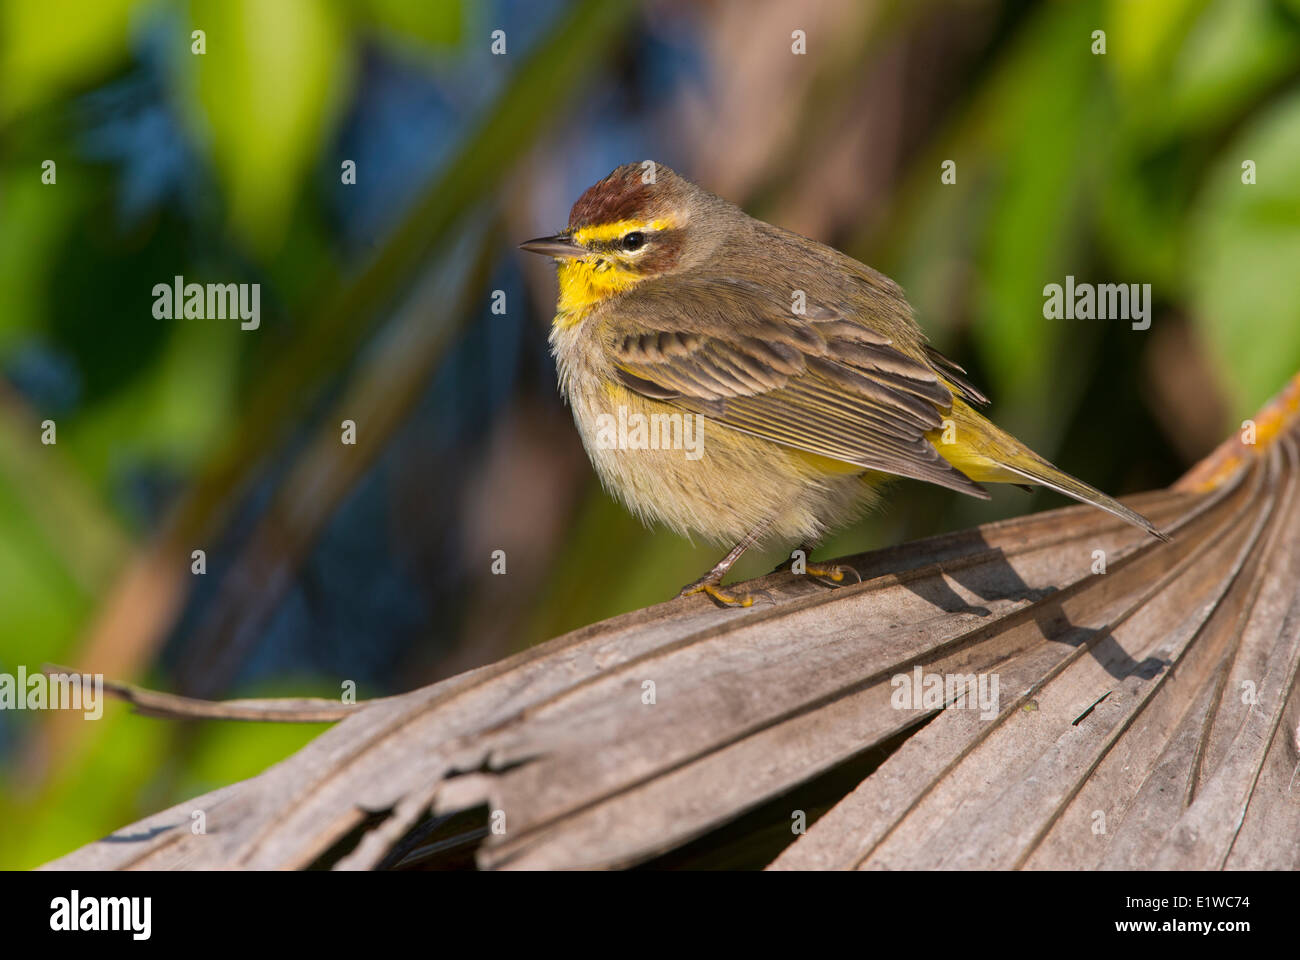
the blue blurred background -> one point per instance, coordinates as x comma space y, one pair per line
371, 562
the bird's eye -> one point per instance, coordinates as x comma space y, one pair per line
634, 240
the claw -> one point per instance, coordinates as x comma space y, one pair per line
833, 572
713, 588
711, 582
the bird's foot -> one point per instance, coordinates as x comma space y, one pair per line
711, 585
831, 574
835, 574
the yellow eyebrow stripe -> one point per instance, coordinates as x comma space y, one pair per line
612, 231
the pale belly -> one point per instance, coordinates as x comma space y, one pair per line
698, 477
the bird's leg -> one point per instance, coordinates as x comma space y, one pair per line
711, 582
835, 573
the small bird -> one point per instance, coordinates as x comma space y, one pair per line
803, 372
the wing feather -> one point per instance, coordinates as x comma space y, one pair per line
824, 382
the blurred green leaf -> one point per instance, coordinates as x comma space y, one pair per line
1046, 142
1244, 265
432, 23
49, 45
1234, 51
1141, 213
33, 220
98, 263
224, 752
931, 241
173, 414
267, 91
1143, 39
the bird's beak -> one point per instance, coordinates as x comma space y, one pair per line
556, 246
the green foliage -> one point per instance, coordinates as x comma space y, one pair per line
264, 96
37, 61
433, 26
1033, 221
1245, 248
1127, 163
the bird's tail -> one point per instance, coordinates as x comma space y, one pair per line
988, 454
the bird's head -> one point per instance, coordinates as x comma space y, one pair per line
641, 221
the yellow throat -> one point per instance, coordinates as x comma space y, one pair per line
586, 283
590, 280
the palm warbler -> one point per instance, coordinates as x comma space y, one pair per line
802, 372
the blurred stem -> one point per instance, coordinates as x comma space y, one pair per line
378, 396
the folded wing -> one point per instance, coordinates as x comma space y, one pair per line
822, 382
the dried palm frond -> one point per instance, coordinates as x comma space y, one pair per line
1146, 714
